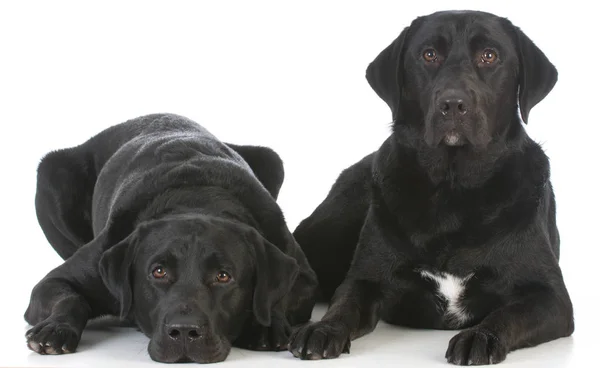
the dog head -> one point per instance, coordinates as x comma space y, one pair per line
190, 282
459, 78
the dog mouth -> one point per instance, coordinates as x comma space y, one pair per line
453, 139
208, 352
442, 133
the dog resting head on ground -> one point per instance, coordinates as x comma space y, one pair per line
196, 279
175, 231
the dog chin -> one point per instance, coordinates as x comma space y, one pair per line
446, 140
202, 353
453, 139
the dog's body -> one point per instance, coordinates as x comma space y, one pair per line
163, 224
451, 223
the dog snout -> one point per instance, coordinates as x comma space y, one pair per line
187, 336
454, 103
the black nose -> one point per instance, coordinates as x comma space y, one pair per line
453, 104
185, 331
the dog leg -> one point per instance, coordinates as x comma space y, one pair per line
63, 302
354, 312
355, 307
539, 317
58, 315
266, 338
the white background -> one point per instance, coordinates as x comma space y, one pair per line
289, 75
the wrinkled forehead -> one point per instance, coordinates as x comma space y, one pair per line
209, 242
461, 28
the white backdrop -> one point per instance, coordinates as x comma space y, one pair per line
289, 75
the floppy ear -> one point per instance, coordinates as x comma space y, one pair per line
537, 75
384, 74
276, 273
114, 266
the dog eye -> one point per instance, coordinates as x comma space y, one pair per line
430, 55
223, 277
489, 56
159, 272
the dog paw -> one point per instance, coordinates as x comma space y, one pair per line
476, 346
51, 337
320, 340
261, 338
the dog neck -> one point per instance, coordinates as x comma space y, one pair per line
460, 167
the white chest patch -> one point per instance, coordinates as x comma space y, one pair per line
451, 288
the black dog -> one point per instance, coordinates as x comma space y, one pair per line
164, 225
451, 223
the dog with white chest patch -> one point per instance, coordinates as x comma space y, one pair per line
451, 223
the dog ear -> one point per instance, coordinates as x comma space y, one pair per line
384, 74
537, 75
275, 273
114, 266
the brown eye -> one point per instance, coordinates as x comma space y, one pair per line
430, 55
223, 277
159, 272
489, 56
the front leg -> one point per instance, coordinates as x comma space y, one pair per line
355, 307
59, 315
531, 320
275, 337
63, 302
354, 312
298, 304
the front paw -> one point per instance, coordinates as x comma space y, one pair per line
320, 340
476, 346
262, 338
53, 337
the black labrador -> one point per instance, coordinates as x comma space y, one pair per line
451, 223
162, 224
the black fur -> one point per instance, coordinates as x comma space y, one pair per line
161, 192
457, 188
